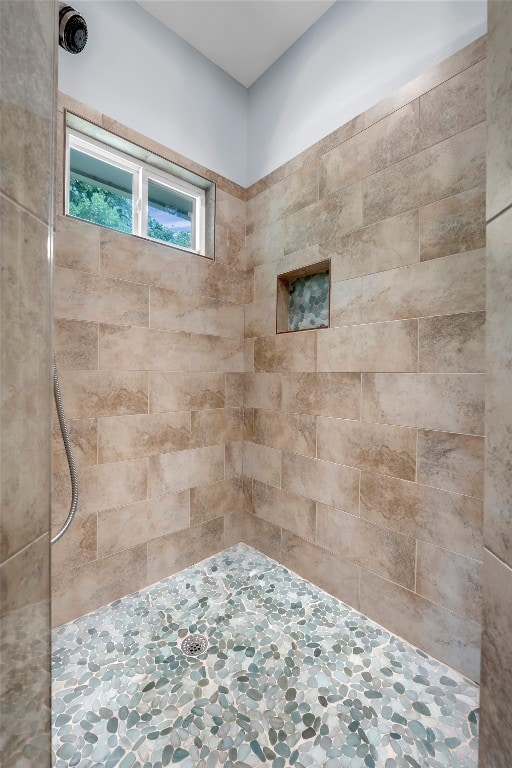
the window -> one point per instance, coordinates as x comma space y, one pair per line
108, 187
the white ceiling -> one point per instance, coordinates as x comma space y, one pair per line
243, 37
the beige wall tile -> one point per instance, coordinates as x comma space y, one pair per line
249, 285
286, 352
260, 318
83, 589
453, 284
447, 519
229, 247
325, 394
330, 217
262, 390
265, 243
216, 426
170, 472
230, 212
171, 553
381, 448
249, 355
79, 545
88, 394
185, 391
83, 435
452, 462
453, 343
338, 577
381, 550
388, 244
450, 580
455, 105
131, 437
234, 525
443, 401
125, 527
294, 513
143, 349
384, 143
76, 244
389, 346
78, 296
345, 300
234, 390
295, 432
24, 578
262, 463
262, 535
453, 225
233, 454
329, 483
216, 353
295, 191
173, 311
265, 280
446, 636
216, 500
496, 726
75, 344
452, 166
101, 487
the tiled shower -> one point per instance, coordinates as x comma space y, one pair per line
334, 477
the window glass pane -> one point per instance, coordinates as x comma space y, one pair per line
170, 215
100, 192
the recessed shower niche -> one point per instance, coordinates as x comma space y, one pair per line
303, 298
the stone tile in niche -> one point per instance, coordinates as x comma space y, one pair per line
309, 302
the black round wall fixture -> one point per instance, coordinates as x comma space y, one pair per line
72, 29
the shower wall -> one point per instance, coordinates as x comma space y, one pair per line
149, 344
363, 452
26, 158
496, 695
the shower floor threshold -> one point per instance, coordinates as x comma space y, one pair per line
291, 677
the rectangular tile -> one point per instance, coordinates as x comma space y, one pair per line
95, 298
127, 526
442, 401
230, 211
84, 439
234, 390
130, 437
173, 391
216, 500
294, 513
385, 245
442, 286
75, 344
261, 535
262, 463
331, 217
76, 244
384, 143
285, 353
265, 243
453, 225
229, 247
381, 550
173, 311
323, 481
260, 318
452, 166
450, 580
295, 191
171, 553
216, 426
453, 343
294, 432
448, 637
88, 394
338, 577
170, 472
346, 298
262, 390
391, 346
381, 448
447, 519
452, 462
454, 106
325, 394
216, 353
79, 547
143, 349
233, 457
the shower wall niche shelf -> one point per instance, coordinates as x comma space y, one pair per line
303, 298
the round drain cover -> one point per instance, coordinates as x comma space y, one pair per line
194, 645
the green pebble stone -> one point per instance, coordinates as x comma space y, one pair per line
308, 733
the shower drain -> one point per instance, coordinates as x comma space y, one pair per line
194, 645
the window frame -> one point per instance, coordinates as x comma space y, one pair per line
142, 173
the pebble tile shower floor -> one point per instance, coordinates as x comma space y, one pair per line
291, 677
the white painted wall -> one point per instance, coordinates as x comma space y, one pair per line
356, 54
140, 73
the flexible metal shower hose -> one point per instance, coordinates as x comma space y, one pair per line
69, 454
